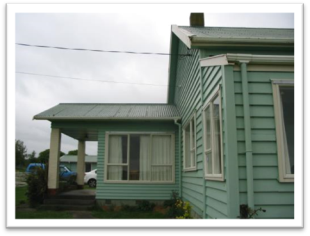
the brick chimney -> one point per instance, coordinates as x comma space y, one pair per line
197, 20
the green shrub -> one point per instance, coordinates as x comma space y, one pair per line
184, 210
37, 187
173, 211
145, 205
247, 212
129, 208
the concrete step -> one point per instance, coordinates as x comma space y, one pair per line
68, 195
65, 207
71, 202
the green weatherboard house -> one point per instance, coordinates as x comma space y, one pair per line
224, 138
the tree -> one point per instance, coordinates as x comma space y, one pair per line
20, 153
44, 156
32, 157
74, 152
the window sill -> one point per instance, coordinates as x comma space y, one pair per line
286, 180
213, 178
190, 169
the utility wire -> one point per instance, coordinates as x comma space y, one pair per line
97, 50
92, 80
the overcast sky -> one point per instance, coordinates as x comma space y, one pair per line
109, 31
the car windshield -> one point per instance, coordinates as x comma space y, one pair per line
68, 168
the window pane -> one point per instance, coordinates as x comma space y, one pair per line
208, 128
117, 173
145, 159
287, 98
193, 158
193, 134
134, 154
117, 149
217, 136
187, 147
209, 163
161, 173
161, 150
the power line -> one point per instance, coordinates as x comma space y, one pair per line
91, 80
98, 50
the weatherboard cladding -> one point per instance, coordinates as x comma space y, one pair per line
240, 33
275, 197
110, 111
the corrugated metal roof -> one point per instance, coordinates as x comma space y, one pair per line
73, 158
240, 33
86, 111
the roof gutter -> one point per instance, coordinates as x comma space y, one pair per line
197, 41
180, 159
106, 119
192, 40
231, 59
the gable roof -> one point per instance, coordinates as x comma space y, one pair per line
204, 36
101, 111
73, 158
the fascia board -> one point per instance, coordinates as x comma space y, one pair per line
183, 35
106, 118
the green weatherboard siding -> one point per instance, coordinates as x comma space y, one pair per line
193, 87
216, 198
277, 198
187, 98
221, 199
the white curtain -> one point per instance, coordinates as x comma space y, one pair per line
145, 160
161, 155
115, 157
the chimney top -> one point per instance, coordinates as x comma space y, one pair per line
197, 19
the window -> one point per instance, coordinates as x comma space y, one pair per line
189, 144
137, 157
283, 94
87, 167
213, 138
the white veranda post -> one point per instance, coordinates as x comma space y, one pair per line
53, 167
81, 164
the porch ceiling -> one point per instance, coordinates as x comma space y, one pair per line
81, 133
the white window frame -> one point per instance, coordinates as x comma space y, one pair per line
216, 177
280, 134
191, 122
128, 158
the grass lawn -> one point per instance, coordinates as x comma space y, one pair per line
87, 187
20, 194
128, 215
